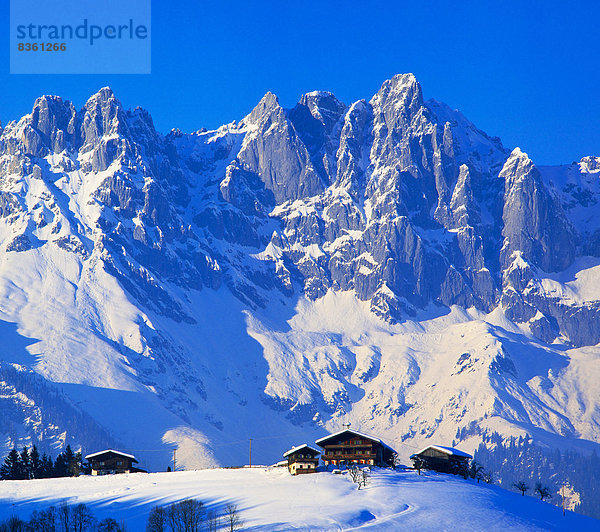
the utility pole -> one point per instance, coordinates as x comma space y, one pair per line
250, 452
174, 460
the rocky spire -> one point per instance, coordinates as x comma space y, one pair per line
534, 222
276, 153
102, 116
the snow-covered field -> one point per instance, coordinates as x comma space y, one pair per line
271, 499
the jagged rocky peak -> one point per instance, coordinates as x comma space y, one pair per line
318, 118
52, 113
534, 221
268, 104
324, 107
402, 94
463, 206
350, 172
103, 96
518, 167
103, 115
589, 164
50, 126
277, 154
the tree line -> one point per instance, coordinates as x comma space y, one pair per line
527, 467
191, 515
29, 464
64, 518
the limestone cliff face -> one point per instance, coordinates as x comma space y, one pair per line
401, 200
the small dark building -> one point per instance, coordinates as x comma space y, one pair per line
442, 459
349, 447
302, 459
110, 462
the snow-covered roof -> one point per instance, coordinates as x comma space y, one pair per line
447, 450
356, 433
110, 451
294, 449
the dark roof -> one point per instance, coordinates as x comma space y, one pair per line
107, 451
298, 448
451, 451
355, 433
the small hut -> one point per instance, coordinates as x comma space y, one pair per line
442, 459
302, 459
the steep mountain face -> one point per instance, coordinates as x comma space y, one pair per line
385, 262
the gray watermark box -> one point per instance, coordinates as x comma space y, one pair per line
80, 37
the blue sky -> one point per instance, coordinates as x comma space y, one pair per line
524, 71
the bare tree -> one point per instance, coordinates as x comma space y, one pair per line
110, 525
157, 520
542, 491
233, 520
354, 472
14, 524
64, 517
213, 521
44, 520
192, 512
359, 476
364, 478
521, 486
186, 516
82, 519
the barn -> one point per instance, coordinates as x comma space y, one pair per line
441, 458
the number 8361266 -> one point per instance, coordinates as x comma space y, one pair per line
42, 47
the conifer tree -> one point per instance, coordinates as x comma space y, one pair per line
36, 462
26, 470
46, 467
72, 469
11, 468
60, 466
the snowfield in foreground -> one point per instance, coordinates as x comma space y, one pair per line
271, 499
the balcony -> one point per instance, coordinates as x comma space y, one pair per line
350, 456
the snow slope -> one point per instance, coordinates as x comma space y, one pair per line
270, 499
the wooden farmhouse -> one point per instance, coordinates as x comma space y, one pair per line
349, 447
302, 459
442, 459
110, 462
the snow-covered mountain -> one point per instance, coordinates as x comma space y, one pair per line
384, 263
